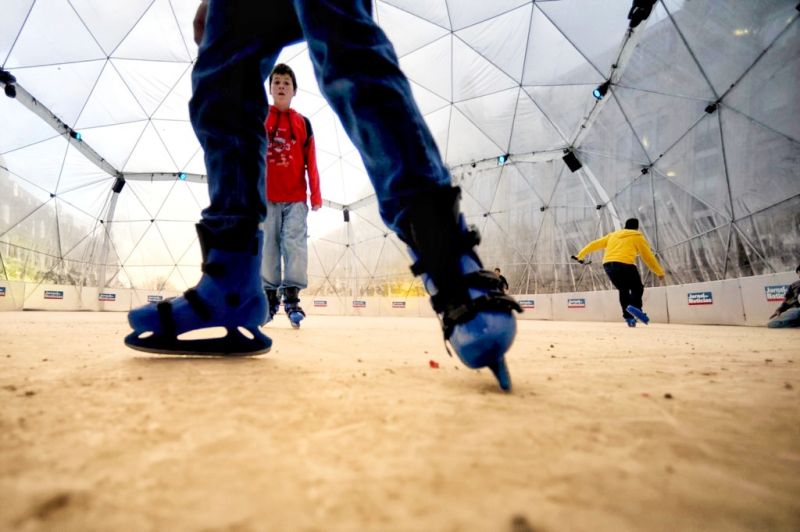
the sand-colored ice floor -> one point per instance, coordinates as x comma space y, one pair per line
345, 426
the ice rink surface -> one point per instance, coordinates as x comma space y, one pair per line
345, 425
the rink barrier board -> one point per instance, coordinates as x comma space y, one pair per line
745, 301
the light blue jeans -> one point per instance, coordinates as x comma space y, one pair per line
285, 236
358, 73
788, 318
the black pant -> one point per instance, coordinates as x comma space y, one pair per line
625, 278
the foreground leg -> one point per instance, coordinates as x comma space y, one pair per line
227, 109
360, 76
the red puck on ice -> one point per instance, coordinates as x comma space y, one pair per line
433, 363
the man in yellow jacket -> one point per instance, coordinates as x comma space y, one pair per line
619, 262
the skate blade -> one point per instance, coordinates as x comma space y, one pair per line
234, 344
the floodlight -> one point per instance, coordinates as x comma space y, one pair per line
502, 159
601, 90
8, 80
640, 10
571, 161
182, 176
74, 134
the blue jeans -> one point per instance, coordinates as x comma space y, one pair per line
285, 236
788, 318
359, 74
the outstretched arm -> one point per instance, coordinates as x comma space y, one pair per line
647, 256
595, 245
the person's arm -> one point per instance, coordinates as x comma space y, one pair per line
595, 245
647, 256
310, 156
789, 299
199, 22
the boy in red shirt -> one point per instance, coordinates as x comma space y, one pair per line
290, 156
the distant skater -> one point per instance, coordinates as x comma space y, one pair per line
619, 262
788, 313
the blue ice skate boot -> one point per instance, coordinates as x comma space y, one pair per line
631, 322
476, 316
228, 295
638, 314
273, 304
291, 305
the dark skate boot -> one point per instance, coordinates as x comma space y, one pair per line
273, 304
291, 305
476, 316
228, 295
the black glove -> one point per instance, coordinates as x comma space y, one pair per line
573, 257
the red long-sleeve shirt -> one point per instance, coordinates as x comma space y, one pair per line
290, 155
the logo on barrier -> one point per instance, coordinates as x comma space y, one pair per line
2, 291
700, 298
320, 302
776, 292
359, 303
106, 297
54, 294
398, 304
527, 303
578, 302
155, 299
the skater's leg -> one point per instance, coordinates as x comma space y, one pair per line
615, 273
360, 76
633, 282
294, 244
789, 318
271, 261
227, 109
295, 253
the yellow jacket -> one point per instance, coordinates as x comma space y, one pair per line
623, 246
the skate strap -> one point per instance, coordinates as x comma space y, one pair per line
480, 280
491, 302
214, 269
198, 305
164, 309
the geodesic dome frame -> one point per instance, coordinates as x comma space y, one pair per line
102, 179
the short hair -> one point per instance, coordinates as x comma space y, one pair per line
283, 68
632, 223
498, 269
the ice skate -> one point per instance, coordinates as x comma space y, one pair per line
228, 295
291, 305
273, 304
638, 314
631, 322
476, 316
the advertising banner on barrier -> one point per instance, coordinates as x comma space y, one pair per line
527, 303
54, 294
398, 304
106, 296
155, 298
321, 303
576, 302
2, 291
700, 298
359, 303
776, 292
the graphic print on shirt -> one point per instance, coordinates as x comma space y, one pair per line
279, 150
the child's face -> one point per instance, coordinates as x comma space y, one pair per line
282, 90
